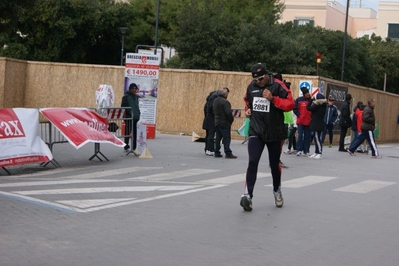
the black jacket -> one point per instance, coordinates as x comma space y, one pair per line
318, 109
222, 111
368, 119
345, 120
269, 124
209, 119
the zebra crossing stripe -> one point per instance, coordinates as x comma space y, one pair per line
231, 179
174, 175
305, 181
365, 186
59, 182
82, 204
104, 189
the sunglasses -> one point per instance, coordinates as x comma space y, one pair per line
260, 78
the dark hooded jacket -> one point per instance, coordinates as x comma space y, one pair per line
368, 119
318, 109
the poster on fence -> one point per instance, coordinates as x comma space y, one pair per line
19, 141
143, 69
81, 126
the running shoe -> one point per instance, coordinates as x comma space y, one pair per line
318, 157
278, 199
246, 203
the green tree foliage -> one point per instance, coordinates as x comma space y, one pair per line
67, 31
229, 35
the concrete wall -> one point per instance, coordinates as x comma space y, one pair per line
181, 93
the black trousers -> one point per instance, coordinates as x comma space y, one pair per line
128, 131
255, 150
342, 138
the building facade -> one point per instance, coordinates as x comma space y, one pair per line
362, 22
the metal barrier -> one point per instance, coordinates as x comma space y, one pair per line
118, 124
51, 135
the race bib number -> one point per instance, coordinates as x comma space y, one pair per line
261, 104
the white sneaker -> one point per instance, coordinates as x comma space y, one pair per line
299, 153
288, 151
278, 199
305, 154
210, 153
313, 155
318, 156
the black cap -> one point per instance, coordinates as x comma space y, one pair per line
304, 90
258, 70
133, 85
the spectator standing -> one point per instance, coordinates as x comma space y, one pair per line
303, 123
329, 121
291, 136
130, 99
223, 120
345, 121
367, 127
318, 107
209, 124
268, 99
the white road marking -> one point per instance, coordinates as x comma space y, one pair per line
365, 186
82, 204
304, 181
176, 174
114, 172
59, 182
102, 190
150, 198
231, 179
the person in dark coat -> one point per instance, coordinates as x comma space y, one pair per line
209, 124
130, 99
318, 107
223, 120
367, 127
345, 121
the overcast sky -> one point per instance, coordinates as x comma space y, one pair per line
365, 3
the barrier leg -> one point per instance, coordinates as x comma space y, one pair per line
5, 169
96, 152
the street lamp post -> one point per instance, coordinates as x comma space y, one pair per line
344, 46
123, 31
156, 27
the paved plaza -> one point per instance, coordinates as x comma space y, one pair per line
181, 207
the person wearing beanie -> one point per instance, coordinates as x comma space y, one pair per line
130, 99
317, 107
267, 99
303, 123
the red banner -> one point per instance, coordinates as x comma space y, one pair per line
19, 142
80, 126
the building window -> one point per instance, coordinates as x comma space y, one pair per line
302, 22
393, 31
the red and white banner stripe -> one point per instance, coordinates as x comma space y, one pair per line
115, 113
236, 112
80, 126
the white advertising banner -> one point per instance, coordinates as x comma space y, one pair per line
141, 137
19, 140
143, 69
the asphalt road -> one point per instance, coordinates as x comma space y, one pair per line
181, 207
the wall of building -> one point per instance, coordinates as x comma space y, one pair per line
388, 12
181, 93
